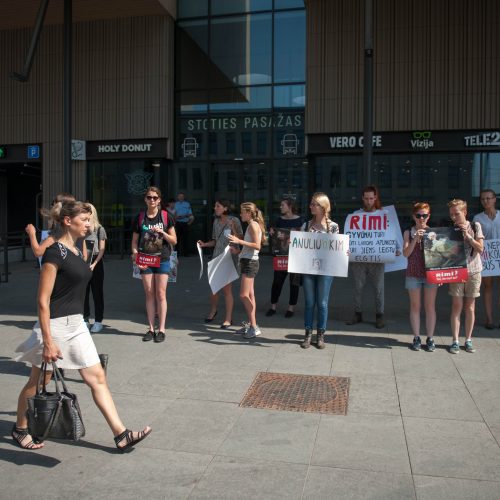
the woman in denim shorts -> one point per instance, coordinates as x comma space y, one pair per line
254, 237
413, 250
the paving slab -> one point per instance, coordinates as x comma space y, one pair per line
452, 448
229, 478
368, 442
440, 488
373, 394
348, 484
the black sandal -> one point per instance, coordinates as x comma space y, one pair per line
19, 435
129, 437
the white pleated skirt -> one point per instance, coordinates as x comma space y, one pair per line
71, 335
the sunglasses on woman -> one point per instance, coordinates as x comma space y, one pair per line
421, 216
152, 198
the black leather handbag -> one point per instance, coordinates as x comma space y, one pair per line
54, 415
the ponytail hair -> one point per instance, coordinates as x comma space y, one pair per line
61, 210
256, 216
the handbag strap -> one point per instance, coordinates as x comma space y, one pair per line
55, 417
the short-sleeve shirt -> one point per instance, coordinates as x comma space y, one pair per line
490, 227
474, 264
151, 242
73, 275
220, 233
183, 210
93, 239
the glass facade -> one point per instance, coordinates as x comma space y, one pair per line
240, 97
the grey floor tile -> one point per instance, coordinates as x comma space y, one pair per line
486, 395
306, 362
495, 430
438, 364
328, 483
450, 448
162, 475
367, 360
370, 442
438, 488
273, 436
230, 478
431, 397
373, 394
194, 426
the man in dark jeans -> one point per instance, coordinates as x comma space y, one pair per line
184, 218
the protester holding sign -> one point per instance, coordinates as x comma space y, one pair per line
490, 224
416, 280
152, 240
255, 236
317, 287
372, 270
280, 234
464, 294
224, 225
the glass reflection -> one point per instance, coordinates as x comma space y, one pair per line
240, 99
289, 96
192, 8
237, 6
290, 46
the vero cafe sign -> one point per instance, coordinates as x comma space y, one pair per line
371, 240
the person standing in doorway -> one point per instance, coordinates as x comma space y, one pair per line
490, 224
363, 270
184, 218
288, 221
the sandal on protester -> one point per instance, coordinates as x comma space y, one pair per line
209, 319
128, 436
489, 326
225, 325
20, 436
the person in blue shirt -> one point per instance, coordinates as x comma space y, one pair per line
184, 218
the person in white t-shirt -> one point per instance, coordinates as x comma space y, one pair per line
490, 224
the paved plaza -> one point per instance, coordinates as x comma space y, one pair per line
418, 425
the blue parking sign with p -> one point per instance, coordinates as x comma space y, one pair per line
33, 152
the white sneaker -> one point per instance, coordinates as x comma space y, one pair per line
252, 332
96, 327
244, 330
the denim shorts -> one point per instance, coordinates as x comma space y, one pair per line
412, 283
249, 267
163, 269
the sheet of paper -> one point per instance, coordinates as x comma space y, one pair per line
200, 253
221, 270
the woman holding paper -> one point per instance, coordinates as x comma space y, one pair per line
255, 236
317, 287
153, 237
413, 250
224, 225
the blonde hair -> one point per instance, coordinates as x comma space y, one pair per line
94, 219
461, 204
256, 216
323, 201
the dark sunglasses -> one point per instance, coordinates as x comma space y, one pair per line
152, 198
421, 216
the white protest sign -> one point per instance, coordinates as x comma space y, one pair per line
371, 240
200, 253
318, 253
221, 270
491, 258
400, 262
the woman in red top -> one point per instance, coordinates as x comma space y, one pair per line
413, 249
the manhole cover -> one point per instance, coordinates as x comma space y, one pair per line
285, 391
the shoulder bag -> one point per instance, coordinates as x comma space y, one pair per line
57, 414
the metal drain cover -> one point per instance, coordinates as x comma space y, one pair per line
290, 392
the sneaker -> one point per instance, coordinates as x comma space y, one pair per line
468, 346
417, 344
252, 332
159, 337
455, 348
431, 347
148, 336
244, 330
96, 327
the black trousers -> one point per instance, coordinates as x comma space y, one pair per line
182, 231
278, 281
96, 284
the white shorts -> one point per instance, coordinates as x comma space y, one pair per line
71, 335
